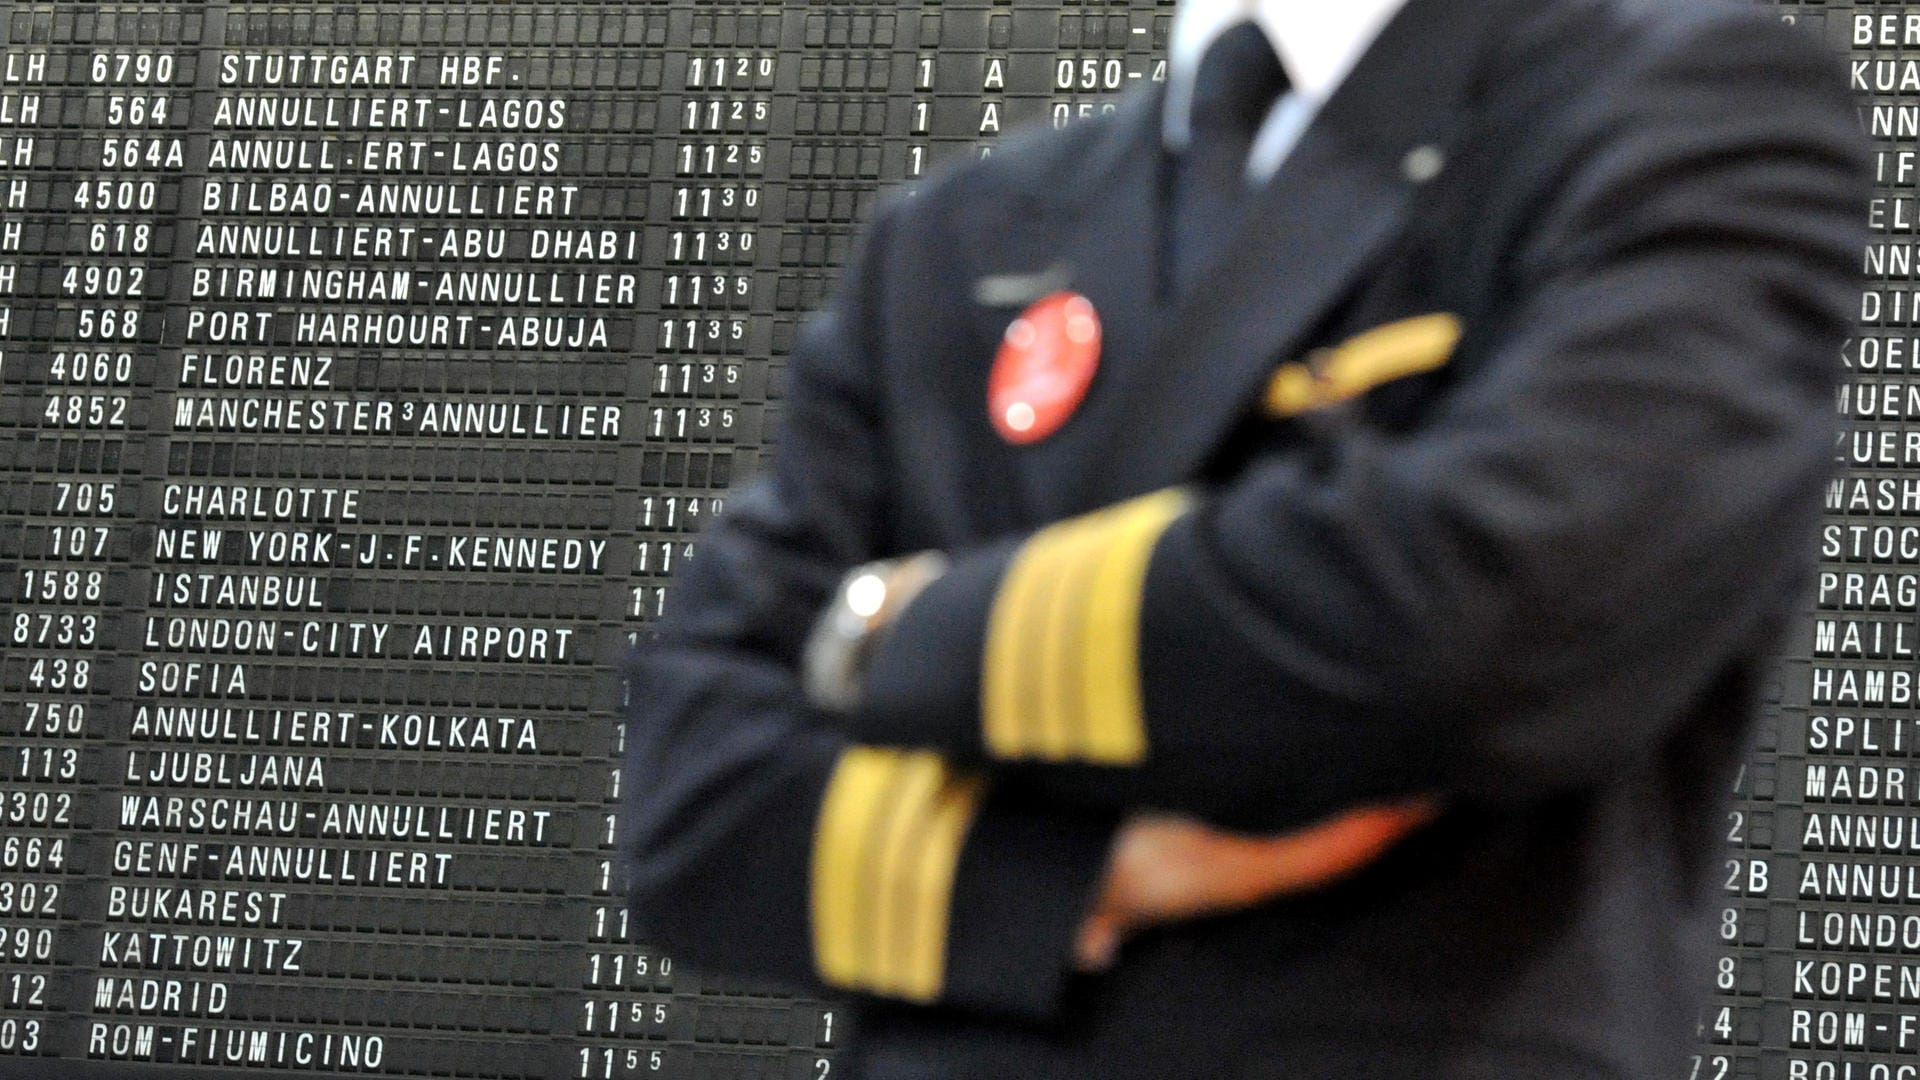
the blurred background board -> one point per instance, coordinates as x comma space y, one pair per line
367, 370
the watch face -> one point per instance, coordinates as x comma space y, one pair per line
828, 663
865, 595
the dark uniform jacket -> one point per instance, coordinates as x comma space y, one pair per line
1485, 464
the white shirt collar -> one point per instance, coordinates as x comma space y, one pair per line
1318, 43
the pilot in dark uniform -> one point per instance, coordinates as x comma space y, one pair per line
1405, 401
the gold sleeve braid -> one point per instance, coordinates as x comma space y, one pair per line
1061, 677
885, 851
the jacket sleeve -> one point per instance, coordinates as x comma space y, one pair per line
1523, 595
757, 840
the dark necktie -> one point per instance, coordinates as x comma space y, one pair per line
1238, 81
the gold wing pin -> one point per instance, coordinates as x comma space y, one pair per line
1394, 351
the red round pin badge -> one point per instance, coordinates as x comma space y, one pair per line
1046, 363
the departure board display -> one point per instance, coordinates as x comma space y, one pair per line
368, 369
1818, 972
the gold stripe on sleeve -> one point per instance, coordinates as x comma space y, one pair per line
1012, 690
848, 815
1066, 705
931, 898
885, 851
917, 782
1061, 669
1056, 724
1116, 731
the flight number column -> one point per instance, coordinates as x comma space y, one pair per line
90, 148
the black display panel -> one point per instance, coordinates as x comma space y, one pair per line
1817, 976
366, 371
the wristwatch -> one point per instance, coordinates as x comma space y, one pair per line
834, 662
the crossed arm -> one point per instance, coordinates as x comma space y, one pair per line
1516, 599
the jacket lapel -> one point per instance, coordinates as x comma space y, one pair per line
1340, 197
